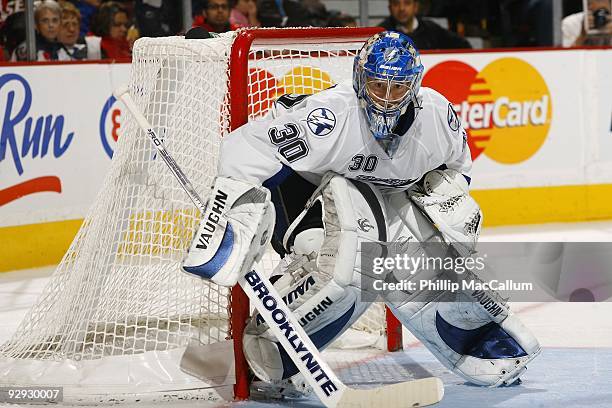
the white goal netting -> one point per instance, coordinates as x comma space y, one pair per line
117, 313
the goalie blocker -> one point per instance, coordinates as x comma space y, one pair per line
233, 233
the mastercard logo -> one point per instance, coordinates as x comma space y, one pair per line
505, 108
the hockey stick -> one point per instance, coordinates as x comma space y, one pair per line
330, 390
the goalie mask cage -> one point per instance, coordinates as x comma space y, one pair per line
117, 313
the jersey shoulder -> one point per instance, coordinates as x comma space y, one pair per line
339, 97
440, 109
322, 115
433, 99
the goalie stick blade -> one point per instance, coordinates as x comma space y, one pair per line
416, 393
212, 363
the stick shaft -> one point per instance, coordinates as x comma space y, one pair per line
123, 95
292, 337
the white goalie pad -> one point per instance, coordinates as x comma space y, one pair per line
485, 344
323, 289
472, 332
233, 233
321, 307
353, 213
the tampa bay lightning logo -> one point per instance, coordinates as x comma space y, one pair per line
391, 55
321, 121
453, 120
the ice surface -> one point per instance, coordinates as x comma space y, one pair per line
574, 370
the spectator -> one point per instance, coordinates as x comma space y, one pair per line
341, 20
463, 16
8, 33
12, 33
111, 24
73, 45
524, 23
87, 9
572, 26
215, 16
426, 34
572, 6
158, 18
244, 14
47, 15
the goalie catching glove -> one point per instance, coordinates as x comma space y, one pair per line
445, 199
234, 231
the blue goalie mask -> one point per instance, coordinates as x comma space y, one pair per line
387, 75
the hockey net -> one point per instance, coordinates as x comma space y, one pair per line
117, 313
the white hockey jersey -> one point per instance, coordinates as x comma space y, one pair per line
329, 132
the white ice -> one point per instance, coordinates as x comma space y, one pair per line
574, 370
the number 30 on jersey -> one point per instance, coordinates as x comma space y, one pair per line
287, 138
365, 163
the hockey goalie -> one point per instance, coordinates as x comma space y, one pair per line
373, 161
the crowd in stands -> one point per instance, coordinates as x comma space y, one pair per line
100, 29
67, 30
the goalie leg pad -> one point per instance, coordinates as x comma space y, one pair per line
473, 333
324, 309
470, 343
233, 233
353, 213
326, 298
